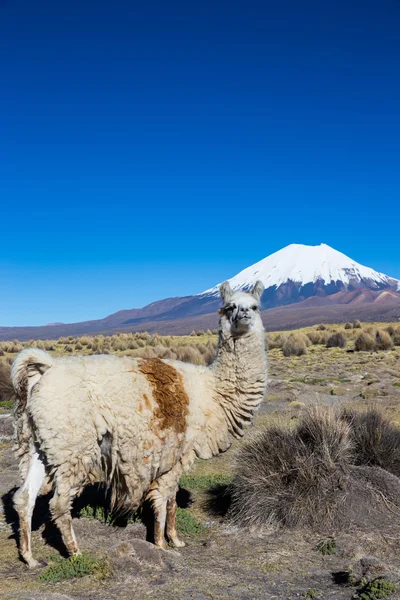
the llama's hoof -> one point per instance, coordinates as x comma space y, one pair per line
32, 563
177, 543
161, 544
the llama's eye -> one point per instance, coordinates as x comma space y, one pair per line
254, 308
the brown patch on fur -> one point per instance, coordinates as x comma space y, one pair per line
147, 401
169, 393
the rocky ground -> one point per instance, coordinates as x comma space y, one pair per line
220, 561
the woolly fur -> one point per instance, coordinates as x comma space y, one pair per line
136, 424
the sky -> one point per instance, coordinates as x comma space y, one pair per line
153, 149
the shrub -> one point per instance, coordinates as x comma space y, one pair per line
295, 345
293, 477
375, 440
321, 327
348, 326
336, 340
314, 337
6, 387
276, 341
319, 473
357, 324
383, 341
396, 337
377, 589
190, 354
364, 343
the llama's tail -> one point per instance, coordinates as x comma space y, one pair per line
26, 370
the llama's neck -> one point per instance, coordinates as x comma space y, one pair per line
240, 371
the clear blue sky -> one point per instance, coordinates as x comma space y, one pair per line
151, 149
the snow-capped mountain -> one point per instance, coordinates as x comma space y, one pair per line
304, 285
297, 272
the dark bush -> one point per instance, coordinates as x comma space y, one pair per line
348, 326
357, 324
321, 327
336, 340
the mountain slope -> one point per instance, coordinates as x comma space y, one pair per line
297, 272
302, 284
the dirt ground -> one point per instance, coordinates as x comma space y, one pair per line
220, 561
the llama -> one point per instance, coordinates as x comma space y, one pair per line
136, 424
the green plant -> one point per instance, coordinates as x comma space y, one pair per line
7, 404
204, 482
377, 589
99, 513
186, 523
326, 547
75, 566
311, 593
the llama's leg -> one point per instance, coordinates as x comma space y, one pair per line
171, 523
160, 515
60, 506
24, 502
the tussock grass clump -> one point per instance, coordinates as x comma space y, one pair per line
296, 344
322, 474
6, 388
396, 337
364, 343
383, 341
321, 327
295, 477
357, 324
276, 341
376, 442
348, 326
314, 337
336, 340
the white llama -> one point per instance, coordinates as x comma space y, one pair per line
137, 424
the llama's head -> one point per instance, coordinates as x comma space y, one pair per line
241, 311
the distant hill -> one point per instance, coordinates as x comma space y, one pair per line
303, 285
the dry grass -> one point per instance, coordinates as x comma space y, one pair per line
296, 344
336, 340
293, 477
316, 473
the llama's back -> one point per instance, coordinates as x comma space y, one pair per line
136, 411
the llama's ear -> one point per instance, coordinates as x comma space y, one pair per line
226, 292
258, 290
